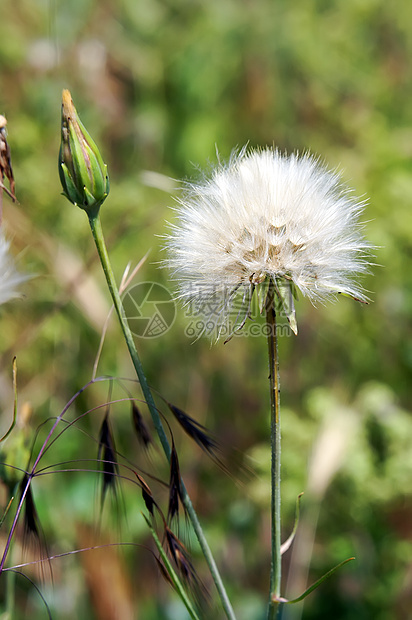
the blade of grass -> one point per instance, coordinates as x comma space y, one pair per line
172, 574
318, 582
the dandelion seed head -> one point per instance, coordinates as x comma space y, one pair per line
268, 215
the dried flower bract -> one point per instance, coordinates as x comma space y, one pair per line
5, 161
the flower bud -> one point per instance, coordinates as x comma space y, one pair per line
83, 174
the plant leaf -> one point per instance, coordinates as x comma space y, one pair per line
317, 583
285, 546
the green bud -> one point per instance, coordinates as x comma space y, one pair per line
83, 174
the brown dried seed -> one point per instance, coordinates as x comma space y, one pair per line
5, 160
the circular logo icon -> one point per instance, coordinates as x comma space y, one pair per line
150, 309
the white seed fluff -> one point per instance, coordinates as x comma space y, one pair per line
267, 214
10, 278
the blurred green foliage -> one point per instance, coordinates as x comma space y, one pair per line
160, 85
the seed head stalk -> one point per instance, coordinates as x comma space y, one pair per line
96, 228
277, 224
276, 558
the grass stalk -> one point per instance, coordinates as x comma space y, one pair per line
97, 232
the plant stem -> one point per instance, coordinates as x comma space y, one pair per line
10, 593
172, 574
96, 228
276, 559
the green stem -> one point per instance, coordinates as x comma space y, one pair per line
10, 594
276, 558
10, 576
96, 228
172, 574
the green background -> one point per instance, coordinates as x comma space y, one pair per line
161, 85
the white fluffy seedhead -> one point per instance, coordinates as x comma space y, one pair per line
267, 215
